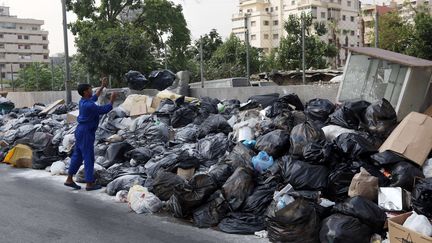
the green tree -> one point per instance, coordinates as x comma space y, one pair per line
38, 77
210, 43
421, 45
394, 33
229, 60
290, 50
111, 44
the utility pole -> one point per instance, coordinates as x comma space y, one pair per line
13, 83
303, 48
88, 78
66, 49
376, 29
1, 78
52, 74
201, 62
166, 57
247, 46
110, 81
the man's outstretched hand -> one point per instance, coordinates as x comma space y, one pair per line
113, 97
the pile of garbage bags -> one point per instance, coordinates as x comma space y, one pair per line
301, 171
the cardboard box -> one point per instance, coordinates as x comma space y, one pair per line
429, 111
155, 102
412, 138
51, 108
135, 105
398, 233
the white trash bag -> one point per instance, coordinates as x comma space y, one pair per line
142, 201
419, 224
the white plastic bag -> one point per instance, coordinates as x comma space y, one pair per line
142, 201
427, 168
58, 168
331, 132
419, 224
121, 196
67, 144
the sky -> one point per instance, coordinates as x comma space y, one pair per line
201, 16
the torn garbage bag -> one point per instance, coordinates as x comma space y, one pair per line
275, 143
124, 183
421, 197
339, 228
297, 222
299, 174
367, 211
242, 223
238, 187
212, 212
303, 134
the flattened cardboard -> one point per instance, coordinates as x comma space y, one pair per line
412, 138
398, 233
135, 104
50, 109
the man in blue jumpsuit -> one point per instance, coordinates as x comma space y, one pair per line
88, 121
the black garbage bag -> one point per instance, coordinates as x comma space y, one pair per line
285, 104
161, 79
238, 187
212, 212
136, 80
319, 153
275, 143
367, 211
240, 156
188, 198
213, 146
265, 100
242, 223
297, 222
303, 176
380, 118
167, 161
350, 114
214, 124
260, 198
101, 175
188, 160
339, 228
116, 153
187, 134
6, 106
403, 175
155, 132
354, 146
387, 158
140, 155
166, 183
421, 197
303, 134
208, 105
339, 181
37, 140
183, 116
124, 183
319, 109
44, 158
166, 106
220, 173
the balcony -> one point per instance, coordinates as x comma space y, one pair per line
252, 2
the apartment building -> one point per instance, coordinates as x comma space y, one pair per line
265, 20
406, 8
22, 41
367, 26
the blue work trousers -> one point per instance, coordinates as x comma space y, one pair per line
84, 150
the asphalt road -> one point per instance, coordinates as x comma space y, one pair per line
36, 207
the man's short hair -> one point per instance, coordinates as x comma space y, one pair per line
82, 88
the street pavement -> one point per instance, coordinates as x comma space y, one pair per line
36, 207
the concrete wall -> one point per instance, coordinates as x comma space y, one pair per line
28, 99
305, 92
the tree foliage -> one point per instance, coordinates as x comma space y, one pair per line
38, 77
290, 50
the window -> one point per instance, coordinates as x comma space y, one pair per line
249, 10
26, 37
275, 22
44, 38
352, 18
2, 56
323, 15
27, 47
21, 27
253, 37
253, 23
2, 65
343, 17
292, 2
3, 75
271, 9
45, 47
266, 23
1, 36
349, 3
275, 36
19, 37
34, 28
352, 32
22, 65
267, 9
276, 8
266, 36
2, 46
20, 47
45, 56
25, 57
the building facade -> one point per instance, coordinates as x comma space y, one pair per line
367, 26
265, 21
22, 41
406, 8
